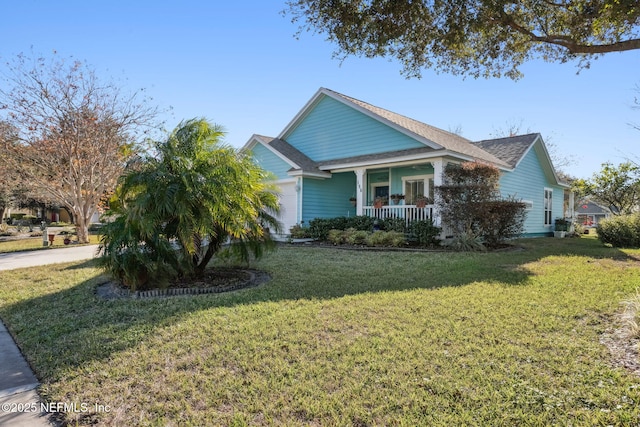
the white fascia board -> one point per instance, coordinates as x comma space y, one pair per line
285, 181
535, 141
543, 146
402, 161
255, 139
309, 174
303, 112
250, 143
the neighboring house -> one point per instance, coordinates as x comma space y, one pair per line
590, 213
338, 148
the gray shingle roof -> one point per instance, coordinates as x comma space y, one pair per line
591, 208
446, 140
389, 155
500, 151
509, 149
291, 153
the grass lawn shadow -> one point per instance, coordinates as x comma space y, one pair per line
317, 298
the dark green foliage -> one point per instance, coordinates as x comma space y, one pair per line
393, 224
177, 210
622, 231
562, 224
319, 227
470, 204
501, 220
424, 232
476, 38
299, 232
617, 187
350, 230
351, 236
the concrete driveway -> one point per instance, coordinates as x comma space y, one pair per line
13, 260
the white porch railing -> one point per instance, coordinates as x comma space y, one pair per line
407, 212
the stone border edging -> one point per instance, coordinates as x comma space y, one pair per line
111, 290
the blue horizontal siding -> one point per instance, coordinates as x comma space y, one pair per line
333, 130
268, 161
328, 198
527, 182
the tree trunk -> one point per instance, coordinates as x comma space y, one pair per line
82, 228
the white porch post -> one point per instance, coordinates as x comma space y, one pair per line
438, 169
571, 211
360, 185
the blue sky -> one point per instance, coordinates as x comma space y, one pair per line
240, 66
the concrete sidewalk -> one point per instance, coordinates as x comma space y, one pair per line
19, 401
20, 405
13, 260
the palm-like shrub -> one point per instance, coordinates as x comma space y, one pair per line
175, 210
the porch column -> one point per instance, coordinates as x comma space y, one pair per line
570, 209
438, 169
359, 190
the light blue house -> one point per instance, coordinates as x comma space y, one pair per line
339, 155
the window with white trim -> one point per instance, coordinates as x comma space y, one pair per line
548, 204
415, 186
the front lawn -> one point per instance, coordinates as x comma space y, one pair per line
343, 337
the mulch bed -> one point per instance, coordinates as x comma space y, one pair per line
215, 281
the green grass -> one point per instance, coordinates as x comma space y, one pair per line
35, 243
343, 337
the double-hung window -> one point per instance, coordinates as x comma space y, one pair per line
548, 204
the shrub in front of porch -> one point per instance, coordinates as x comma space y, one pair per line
471, 205
354, 231
351, 236
319, 227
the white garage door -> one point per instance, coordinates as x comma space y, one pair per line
288, 206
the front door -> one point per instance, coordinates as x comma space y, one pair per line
381, 191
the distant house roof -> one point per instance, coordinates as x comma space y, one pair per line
591, 208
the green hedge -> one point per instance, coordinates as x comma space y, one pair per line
423, 232
620, 231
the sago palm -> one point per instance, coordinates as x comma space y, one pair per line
179, 207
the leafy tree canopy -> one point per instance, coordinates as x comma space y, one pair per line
479, 38
616, 187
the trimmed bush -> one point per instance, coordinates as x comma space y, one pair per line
393, 224
335, 236
621, 231
358, 228
319, 227
424, 233
471, 204
355, 237
299, 232
386, 238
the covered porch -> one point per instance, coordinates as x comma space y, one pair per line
403, 190
409, 213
